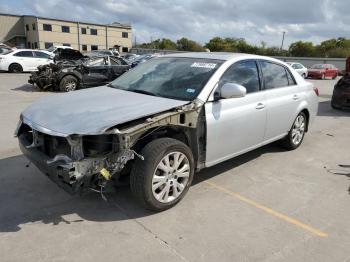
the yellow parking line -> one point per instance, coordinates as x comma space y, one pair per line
269, 210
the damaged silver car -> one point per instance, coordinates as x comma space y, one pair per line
159, 123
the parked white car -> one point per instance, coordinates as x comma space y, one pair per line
24, 60
301, 69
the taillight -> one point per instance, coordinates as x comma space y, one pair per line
316, 91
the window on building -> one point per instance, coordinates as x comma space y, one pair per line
28, 45
125, 49
32, 45
84, 47
36, 45
27, 27
275, 75
66, 44
33, 26
47, 27
48, 45
94, 47
83, 31
125, 34
93, 31
243, 73
65, 29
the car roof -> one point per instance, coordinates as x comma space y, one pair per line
221, 56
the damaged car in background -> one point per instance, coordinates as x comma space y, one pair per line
167, 118
341, 91
71, 75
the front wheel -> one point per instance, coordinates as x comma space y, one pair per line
296, 134
68, 83
163, 178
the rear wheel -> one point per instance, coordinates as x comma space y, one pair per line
163, 178
69, 83
296, 134
15, 68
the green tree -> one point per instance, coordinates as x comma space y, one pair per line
185, 44
300, 49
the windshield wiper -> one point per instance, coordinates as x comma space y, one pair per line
142, 92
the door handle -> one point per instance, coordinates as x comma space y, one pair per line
260, 106
296, 97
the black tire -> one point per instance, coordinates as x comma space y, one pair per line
68, 83
15, 68
143, 170
335, 107
288, 142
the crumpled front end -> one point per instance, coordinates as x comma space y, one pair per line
46, 76
78, 162
75, 163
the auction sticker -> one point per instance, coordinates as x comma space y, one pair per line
203, 65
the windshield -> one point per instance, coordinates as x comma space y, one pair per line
51, 49
177, 78
8, 51
318, 66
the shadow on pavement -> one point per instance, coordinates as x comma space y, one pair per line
27, 196
345, 171
27, 88
325, 109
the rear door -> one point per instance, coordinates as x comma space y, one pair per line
25, 59
118, 67
236, 125
282, 98
96, 72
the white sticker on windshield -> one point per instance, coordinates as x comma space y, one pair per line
204, 65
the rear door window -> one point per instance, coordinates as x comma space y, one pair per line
24, 54
244, 73
274, 75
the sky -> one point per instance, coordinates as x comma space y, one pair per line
201, 20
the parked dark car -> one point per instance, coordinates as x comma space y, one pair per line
322, 71
67, 76
341, 93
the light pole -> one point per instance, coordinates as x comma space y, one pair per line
282, 40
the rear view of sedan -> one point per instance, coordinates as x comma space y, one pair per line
323, 71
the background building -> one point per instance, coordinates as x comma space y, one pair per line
39, 32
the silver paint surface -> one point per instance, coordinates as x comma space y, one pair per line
92, 111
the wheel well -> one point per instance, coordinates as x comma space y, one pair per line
15, 64
307, 114
155, 133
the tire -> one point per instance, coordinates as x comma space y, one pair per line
68, 83
335, 107
289, 142
149, 181
15, 68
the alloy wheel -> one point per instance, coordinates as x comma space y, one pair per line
170, 177
298, 130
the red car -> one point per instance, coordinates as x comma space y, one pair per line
323, 71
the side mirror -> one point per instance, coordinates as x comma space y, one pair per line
231, 90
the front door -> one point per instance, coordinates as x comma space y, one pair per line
236, 125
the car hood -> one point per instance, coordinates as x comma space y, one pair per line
92, 111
